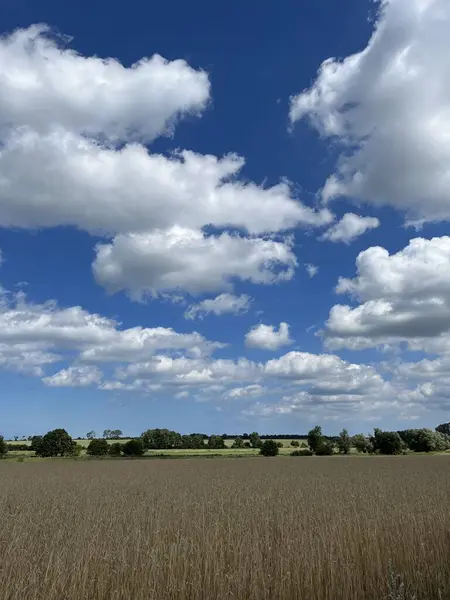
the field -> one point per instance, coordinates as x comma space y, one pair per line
266, 529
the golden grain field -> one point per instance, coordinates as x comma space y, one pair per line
247, 529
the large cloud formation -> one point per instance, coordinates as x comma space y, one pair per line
388, 106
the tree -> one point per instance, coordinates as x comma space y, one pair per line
424, 440
344, 442
107, 434
161, 439
269, 448
216, 442
443, 428
56, 443
98, 447
90, 435
116, 434
361, 443
115, 449
3, 447
315, 438
387, 442
134, 447
255, 440
295, 443
238, 443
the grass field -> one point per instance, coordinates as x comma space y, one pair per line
268, 529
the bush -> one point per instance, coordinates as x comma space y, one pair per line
280, 444
18, 447
247, 445
115, 449
238, 443
362, 443
3, 447
77, 449
98, 447
216, 442
295, 443
133, 447
302, 452
324, 449
36, 440
269, 448
56, 443
387, 442
255, 440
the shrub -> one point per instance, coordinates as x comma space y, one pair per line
255, 440
98, 447
247, 445
362, 443
238, 443
443, 428
315, 438
269, 448
325, 448
36, 440
387, 442
18, 447
295, 443
280, 444
77, 449
115, 449
216, 442
56, 443
3, 447
302, 452
133, 447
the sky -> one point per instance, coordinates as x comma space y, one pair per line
224, 218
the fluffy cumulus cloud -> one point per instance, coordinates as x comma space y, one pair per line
79, 376
220, 305
349, 228
388, 105
267, 337
188, 260
35, 335
43, 82
402, 297
312, 270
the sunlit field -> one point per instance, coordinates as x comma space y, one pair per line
254, 529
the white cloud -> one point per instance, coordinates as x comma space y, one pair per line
79, 376
349, 228
403, 296
389, 107
44, 333
64, 179
220, 305
187, 260
266, 337
249, 391
43, 82
312, 270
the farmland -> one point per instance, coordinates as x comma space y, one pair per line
282, 528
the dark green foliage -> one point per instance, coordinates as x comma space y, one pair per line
443, 428
3, 447
98, 447
344, 442
56, 443
325, 448
115, 449
133, 447
255, 440
90, 435
161, 439
238, 443
269, 448
315, 438
36, 441
247, 445
280, 444
295, 443
216, 442
302, 452
424, 440
362, 443
387, 442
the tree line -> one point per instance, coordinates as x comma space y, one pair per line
59, 443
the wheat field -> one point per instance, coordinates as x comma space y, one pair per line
247, 529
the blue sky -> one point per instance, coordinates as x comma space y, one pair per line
231, 237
